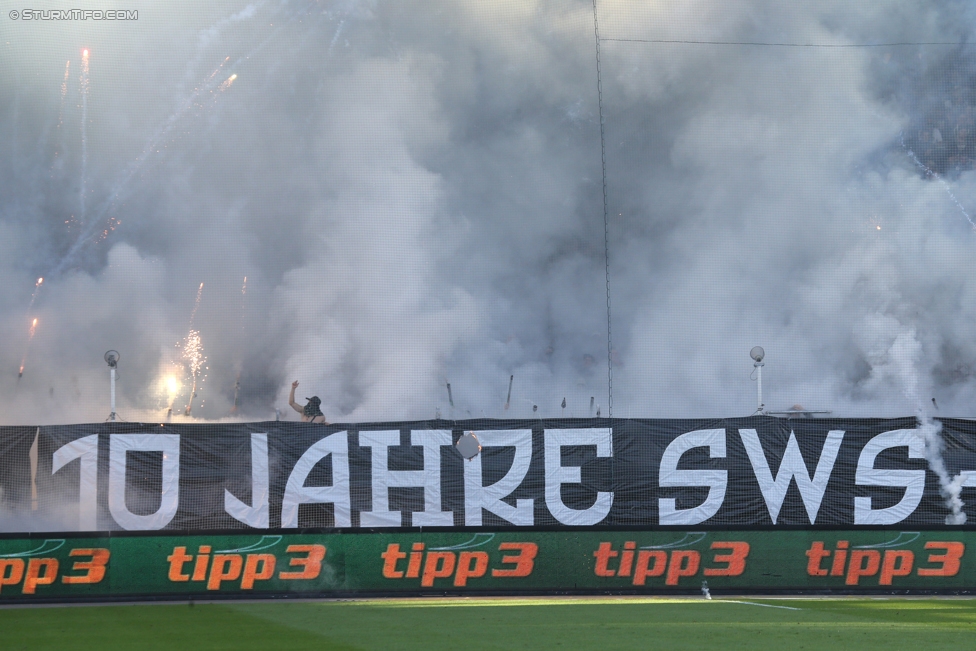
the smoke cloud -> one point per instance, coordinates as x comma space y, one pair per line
414, 193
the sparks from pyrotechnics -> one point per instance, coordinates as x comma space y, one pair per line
214, 73
37, 289
95, 230
88, 232
335, 37
227, 83
244, 307
171, 385
64, 93
64, 86
193, 354
196, 305
240, 362
243, 302
30, 338
84, 131
33, 326
195, 360
935, 175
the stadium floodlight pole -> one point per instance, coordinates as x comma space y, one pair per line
112, 359
757, 354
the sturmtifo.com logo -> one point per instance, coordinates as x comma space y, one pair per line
74, 14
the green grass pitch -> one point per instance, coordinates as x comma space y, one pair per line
605, 624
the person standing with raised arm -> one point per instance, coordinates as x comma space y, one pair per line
311, 412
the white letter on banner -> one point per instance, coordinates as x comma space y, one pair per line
792, 466
557, 474
169, 502
85, 449
671, 477
257, 515
913, 481
383, 478
296, 492
968, 478
477, 496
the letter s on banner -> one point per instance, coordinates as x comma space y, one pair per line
557, 474
671, 477
296, 492
121, 444
913, 481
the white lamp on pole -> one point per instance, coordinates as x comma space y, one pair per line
757, 354
112, 359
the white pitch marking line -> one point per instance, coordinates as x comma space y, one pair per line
753, 603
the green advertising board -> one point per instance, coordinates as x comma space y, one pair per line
410, 563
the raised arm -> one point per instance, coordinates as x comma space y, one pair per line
291, 399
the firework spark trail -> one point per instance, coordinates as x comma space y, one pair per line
84, 132
935, 175
30, 338
338, 33
215, 31
64, 93
240, 357
64, 87
208, 87
243, 306
33, 327
37, 290
88, 232
313, 30
208, 81
243, 316
196, 306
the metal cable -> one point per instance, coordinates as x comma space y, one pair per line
759, 43
606, 218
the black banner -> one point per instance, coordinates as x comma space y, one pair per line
759, 471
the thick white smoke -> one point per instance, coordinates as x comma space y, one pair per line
895, 355
414, 193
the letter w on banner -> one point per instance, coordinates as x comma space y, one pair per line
792, 467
